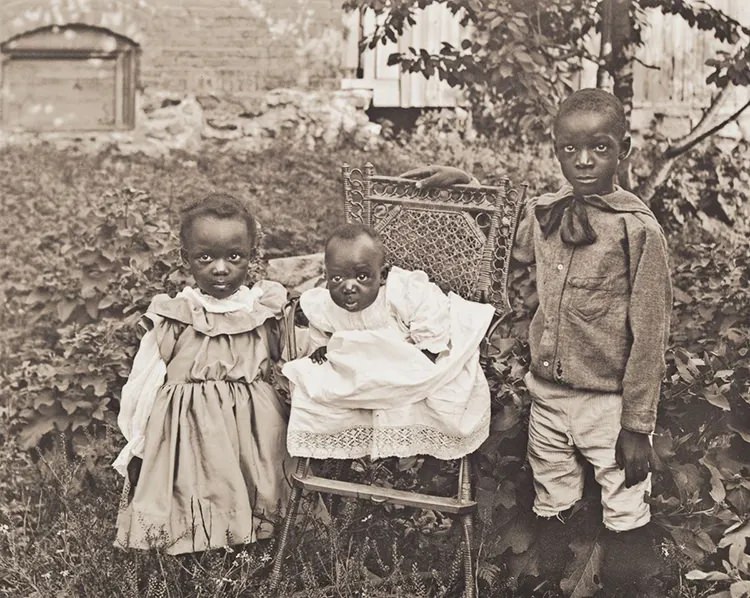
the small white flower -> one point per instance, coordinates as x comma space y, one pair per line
65, 573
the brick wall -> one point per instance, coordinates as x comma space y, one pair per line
222, 47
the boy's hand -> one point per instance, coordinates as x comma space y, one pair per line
436, 175
634, 454
319, 355
134, 470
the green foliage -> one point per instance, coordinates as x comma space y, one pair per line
708, 186
90, 240
517, 63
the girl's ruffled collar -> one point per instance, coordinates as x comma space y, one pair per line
244, 310
243, 299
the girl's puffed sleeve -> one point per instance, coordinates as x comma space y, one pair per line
422, 306
138, 395
271, 295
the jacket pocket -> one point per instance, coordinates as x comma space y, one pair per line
589, 297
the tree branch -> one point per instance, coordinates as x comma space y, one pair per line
681, 149
706, 116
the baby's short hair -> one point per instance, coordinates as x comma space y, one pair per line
218, 205
595, 100
352, 231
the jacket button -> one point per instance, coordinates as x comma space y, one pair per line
545, 364
560, 266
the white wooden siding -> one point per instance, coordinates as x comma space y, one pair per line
391, 87
674, 90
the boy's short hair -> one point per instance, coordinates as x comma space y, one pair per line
218, 205
595, 100
352, 231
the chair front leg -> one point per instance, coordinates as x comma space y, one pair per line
289, 517
467, 522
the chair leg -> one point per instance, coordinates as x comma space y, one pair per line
342, 472
291, 514
467, 522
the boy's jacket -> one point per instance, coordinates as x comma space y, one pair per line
603, 317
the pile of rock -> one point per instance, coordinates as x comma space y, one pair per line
174, 121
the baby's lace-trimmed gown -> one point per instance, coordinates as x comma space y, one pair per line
377, 394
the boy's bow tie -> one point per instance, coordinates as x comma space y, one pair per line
570, 216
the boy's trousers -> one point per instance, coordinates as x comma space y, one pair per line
566, 425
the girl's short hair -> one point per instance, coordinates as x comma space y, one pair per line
218, 205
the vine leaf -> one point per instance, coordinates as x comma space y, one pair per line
583, 579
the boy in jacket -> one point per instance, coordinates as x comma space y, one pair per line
599, 334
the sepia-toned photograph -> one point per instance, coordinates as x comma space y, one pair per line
375, 298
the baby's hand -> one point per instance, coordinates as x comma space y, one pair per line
633, 453
437, 175
319, 355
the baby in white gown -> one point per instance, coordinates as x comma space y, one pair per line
394, 364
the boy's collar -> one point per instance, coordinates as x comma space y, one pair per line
619, 200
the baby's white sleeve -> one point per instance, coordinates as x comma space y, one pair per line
317, 338
316, 305
138, 396
423, 307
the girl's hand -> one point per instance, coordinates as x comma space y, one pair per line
633, 453
437, 175
134, 470
319, 355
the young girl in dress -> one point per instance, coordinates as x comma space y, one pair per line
206, 455
394, 368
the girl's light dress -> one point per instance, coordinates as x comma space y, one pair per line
377, 394
199, 409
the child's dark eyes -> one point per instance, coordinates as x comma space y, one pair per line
363, 277
205, 258
336, 278
601, 147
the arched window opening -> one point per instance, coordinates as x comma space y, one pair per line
69, 78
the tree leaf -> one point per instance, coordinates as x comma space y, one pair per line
717, 492
583, 580
740, 589
65, 308
33, 432
697, 575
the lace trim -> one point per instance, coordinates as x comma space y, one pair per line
378, 443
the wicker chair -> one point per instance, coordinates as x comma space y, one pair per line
462, 237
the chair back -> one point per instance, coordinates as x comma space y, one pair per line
461, 236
